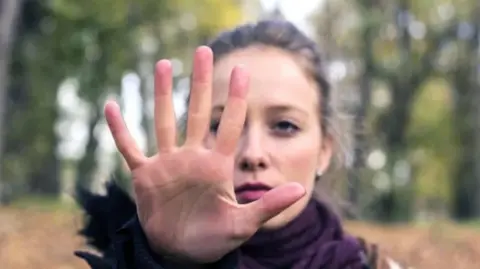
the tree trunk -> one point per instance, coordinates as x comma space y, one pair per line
9, 14
43, 162
475, 65
87, 165
394, 122
358, 143
466, 187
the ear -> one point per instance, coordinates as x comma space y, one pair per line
325, 154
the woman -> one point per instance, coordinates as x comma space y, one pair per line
238, 193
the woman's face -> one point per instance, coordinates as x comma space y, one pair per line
282, 139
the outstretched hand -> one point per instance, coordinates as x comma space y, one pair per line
185, 196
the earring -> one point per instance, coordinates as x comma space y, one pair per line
318, 174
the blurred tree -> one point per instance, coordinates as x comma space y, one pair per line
151, 30
29, 158
465, 81
9, 12
391, 48
95, 44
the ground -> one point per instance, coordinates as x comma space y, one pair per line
33, 238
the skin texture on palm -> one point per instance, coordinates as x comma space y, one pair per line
185, 195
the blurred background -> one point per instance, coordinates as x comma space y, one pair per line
406, 77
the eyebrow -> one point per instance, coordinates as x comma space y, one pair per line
286, 108
270, 109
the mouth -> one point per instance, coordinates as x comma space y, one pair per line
250, 192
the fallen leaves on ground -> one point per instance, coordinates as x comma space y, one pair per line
33, 239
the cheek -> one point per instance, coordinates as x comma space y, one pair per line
301, 163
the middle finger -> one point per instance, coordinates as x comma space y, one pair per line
200, 96
164, 114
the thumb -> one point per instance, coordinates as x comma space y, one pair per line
274, 202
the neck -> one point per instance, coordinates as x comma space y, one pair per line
314, 239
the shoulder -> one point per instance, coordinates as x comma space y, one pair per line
104, 215
377, 258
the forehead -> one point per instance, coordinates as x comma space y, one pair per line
275, 77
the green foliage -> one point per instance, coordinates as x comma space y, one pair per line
95, 42
108, 13
424, 81
432, 141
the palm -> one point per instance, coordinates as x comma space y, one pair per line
185, 197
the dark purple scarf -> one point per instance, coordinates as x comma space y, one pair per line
313, 240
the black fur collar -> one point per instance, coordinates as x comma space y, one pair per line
104, 215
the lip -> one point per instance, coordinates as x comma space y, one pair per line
250, 192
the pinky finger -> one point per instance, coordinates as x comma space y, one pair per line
122, 137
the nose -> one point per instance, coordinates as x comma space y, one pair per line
252, 156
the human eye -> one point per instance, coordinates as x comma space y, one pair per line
213, 128
285, 128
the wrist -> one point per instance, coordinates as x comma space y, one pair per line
171, 260
166, 259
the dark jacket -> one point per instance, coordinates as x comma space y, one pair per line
113, 229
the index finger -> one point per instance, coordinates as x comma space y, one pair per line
122, 137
